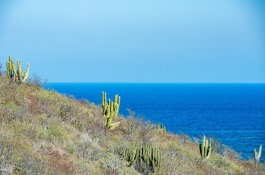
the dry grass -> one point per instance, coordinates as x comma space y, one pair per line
43, 132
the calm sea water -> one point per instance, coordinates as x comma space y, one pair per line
232, 113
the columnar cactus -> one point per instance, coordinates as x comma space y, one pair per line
9, 68
257, 155
16, 73
110, 110
151, 155
143, 153
205, 148
104, 102
161, 127
130, 154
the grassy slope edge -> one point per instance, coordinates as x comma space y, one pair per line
43, 132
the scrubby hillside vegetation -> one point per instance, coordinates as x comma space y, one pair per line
43, 132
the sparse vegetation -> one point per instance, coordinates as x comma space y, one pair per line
43, 132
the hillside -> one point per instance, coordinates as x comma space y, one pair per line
43, 132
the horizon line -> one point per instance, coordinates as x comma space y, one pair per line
83, 82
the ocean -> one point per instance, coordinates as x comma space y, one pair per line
234, 114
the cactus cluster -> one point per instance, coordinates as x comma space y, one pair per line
145, 153
15, 72
110, 110
161, 127
205, 148
257, 155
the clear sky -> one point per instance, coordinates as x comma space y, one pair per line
137, 40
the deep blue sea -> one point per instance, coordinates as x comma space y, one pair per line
232, 113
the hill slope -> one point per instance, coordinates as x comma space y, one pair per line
43, 132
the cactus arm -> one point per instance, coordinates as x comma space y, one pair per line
19, 71
206, 148
104, 101
209, 149
25, 77
203, 147
109, 120
8, 67
118, 105
256, 157
260, 150
14, 71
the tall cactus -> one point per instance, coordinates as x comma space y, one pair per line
104, 103
206, 148
22, 76
9, 68
257, 155
110, 110
16, 73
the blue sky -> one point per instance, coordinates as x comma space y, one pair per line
183, 41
